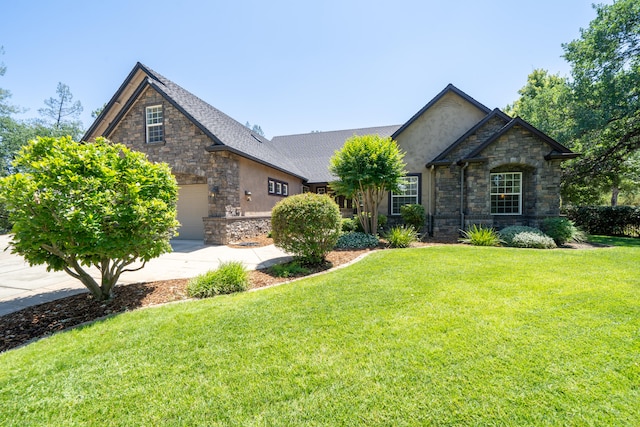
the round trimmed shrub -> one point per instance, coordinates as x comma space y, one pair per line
413, 215
527, 239
357, 240
307, 226
561, 230
507, 234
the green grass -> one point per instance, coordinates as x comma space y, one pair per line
629, 242
446, 335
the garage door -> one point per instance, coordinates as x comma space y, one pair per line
192, 206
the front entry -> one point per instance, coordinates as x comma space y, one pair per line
193, 205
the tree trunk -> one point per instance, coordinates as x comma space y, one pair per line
615, 191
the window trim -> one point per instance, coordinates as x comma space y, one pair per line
275, 187
148, 125
321, 190
497, 193
418, 196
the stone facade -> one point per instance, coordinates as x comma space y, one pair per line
184, 149
516, 151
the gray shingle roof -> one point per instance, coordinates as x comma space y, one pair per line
311, 151
224, 130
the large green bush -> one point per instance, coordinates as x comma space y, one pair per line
307, 226
607, 220
413, 215
230, 277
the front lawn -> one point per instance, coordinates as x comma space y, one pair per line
445, 335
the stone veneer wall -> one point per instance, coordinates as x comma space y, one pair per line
222, 231
516, 151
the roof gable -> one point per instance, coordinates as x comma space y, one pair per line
448, 89
225, 132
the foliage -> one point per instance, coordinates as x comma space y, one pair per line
289, 269
367, 167
230, 277
62, 109
77, 204
349, 225
560, 229
477, 235
257, 129
597, 113
357, 240
401, 237
607, 220
508, 233
414, 215
365, 345
527, 239
306, 225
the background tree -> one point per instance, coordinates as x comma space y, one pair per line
75, 205
597, 112
62, 113
367, 167
255, 128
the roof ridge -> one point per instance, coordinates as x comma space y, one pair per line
334, 131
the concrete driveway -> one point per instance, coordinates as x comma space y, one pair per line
22, 286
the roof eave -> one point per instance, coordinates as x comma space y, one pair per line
561, 156
219, 147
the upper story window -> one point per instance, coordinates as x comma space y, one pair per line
408, 194
506, 193
155, 122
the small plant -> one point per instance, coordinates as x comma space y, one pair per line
289, 269
561, 230
414, 215
349, 225
477, 235
401, 236
230, 277
527, 239
357, 240
507, 234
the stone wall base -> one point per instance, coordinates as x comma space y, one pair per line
448, 227
225, 230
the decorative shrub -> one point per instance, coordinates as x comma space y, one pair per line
289, 269
401, 237
480, 236
230, 277
507, 234
349, 225
607, 220
307, 226
561, 230
413, 215
357, 240
527, 239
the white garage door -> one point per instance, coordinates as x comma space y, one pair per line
192, 206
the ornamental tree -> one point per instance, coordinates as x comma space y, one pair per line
75, 205
367, 167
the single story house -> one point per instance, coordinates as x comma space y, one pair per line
466, 164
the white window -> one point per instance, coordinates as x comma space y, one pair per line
321, 190
408, 194
278, 188
155, 130
285, 189
272, 186
506, 193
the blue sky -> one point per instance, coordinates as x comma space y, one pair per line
289, 66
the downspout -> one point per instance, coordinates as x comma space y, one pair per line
432, 186
462, 195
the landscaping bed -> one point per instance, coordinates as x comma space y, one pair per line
41, 320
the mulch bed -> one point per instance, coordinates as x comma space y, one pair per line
41, 320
